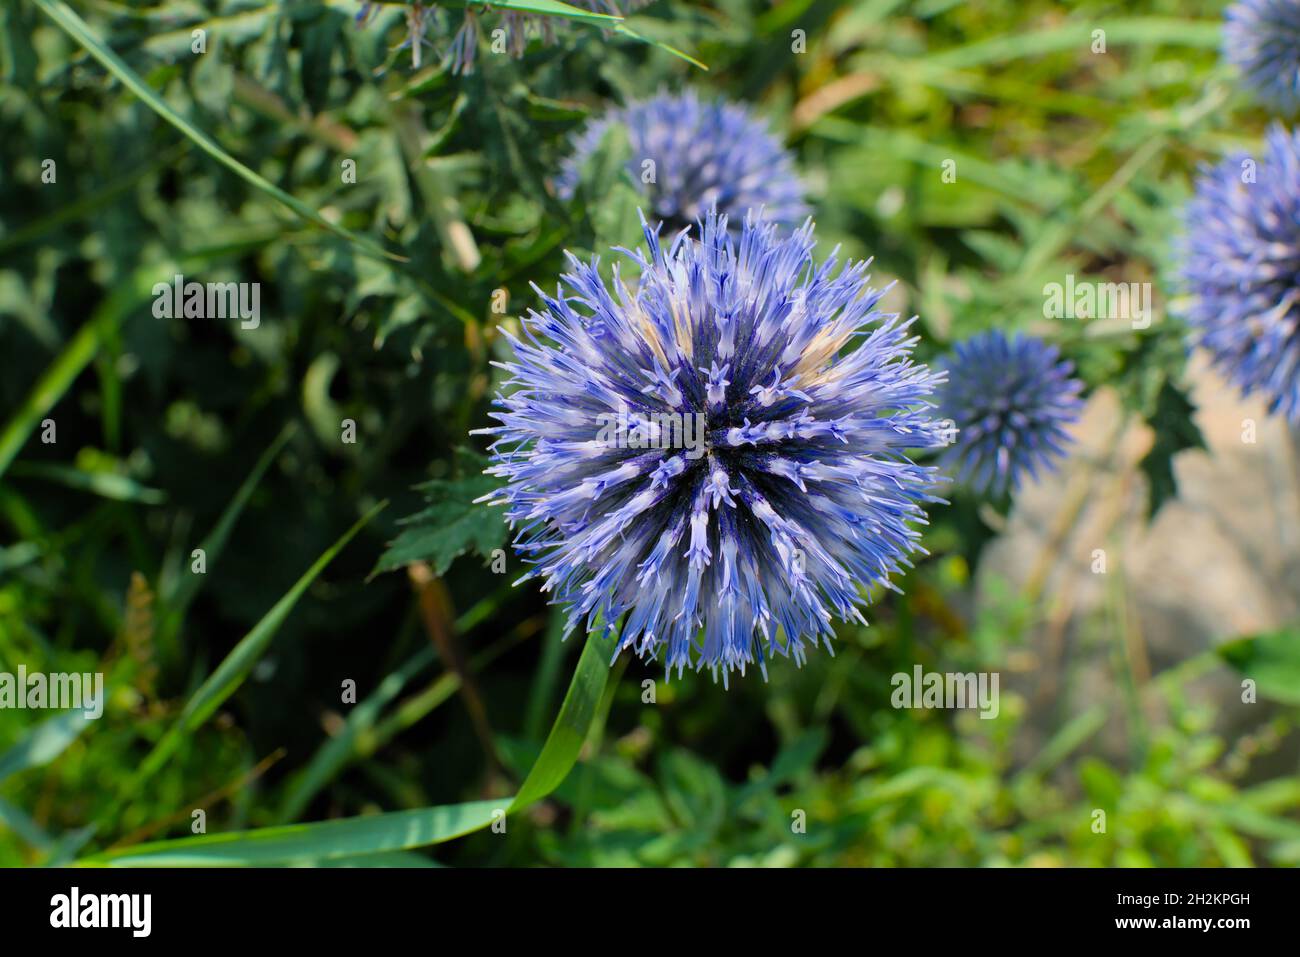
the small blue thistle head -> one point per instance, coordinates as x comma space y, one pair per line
1241, 261
708, 455
461, 53
1009, 401
1262, 39
521, 28
705, 156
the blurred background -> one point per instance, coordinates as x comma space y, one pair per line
1121, 684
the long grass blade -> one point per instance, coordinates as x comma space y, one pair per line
79, 30
176, 593
398, 830
43, 742
230, 674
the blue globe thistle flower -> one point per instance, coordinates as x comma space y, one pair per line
1262, 39
1241, 262
705, 156
1009, 400
705, 455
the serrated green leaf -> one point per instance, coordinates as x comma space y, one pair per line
1176, 432
450, 526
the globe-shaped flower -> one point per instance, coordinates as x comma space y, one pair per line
1241, 262
1007, 402
710, 454
1262, 39
696, 157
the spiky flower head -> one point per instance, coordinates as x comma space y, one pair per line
1262, 39
719, 455
1241, 262
1008, 403
697, 157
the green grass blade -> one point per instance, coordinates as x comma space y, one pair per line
43, 743
64, 848
387, 859
77, 28
398, 830
624, 30
305, 843
109, 485
575, 719
58, 378
176, 593
335, 752
364, 731
86, 342
547, 8
552, 8
81, 208
27, 830
1129, 31
232, 671
546, 678
1075, 732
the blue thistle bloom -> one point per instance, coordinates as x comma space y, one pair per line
705, 456
1010, 401
706, 156
1262, 39
1241, 261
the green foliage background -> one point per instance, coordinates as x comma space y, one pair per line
377, 306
